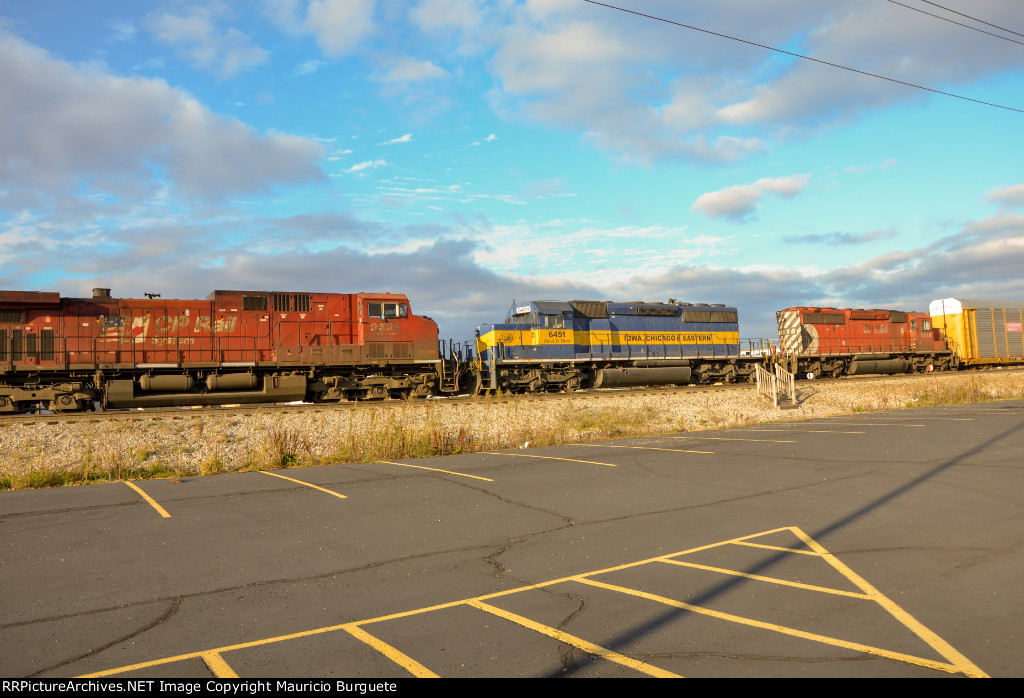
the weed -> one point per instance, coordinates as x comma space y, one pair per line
285, 446
213, 464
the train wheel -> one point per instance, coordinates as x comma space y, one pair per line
64, 403
375, 392
471, 381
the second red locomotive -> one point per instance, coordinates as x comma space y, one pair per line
831, 342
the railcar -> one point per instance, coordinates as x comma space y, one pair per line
981, 332
561, 346
233, 347
831, 342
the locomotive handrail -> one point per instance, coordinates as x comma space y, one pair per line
767, 384
786, 380
775, 383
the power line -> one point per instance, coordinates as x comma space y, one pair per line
959, 24
806, 58
947, 9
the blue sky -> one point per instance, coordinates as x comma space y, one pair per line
468, 153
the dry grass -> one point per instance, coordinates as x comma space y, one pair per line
45, 455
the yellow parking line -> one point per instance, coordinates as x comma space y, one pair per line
568, 639
1008, 412
213, 658
530, 455
943, 419
910, 659
202, 654
873, 424
962, 663
726, 438
315, 487
160, 509
773, 580
399, 658
773, 547
218, 666
809, 431
439, 470
646, 448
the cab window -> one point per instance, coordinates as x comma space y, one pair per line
553, 322
388, 311
523, 319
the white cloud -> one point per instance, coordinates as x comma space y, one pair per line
840, 238
308, 67
80, 128
360, 166
122, 30
446, 15
666, 92
1007, 196
197, 38
339, 25
284, 14
406, 70
738, 202
459, 21
407, 138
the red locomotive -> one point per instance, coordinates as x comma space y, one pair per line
233, 347
830, 342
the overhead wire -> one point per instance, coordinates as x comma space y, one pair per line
949, 9
801, 56
959, 24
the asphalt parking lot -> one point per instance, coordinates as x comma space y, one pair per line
878, 544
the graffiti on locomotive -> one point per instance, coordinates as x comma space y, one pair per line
122, 329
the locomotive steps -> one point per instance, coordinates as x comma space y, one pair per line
199, 443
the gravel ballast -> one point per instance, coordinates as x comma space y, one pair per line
194, 442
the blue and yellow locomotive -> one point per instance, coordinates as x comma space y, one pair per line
556, 346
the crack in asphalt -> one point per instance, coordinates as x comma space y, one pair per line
566, 651
986, 555
172, 609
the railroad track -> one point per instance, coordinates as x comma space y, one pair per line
165, 413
